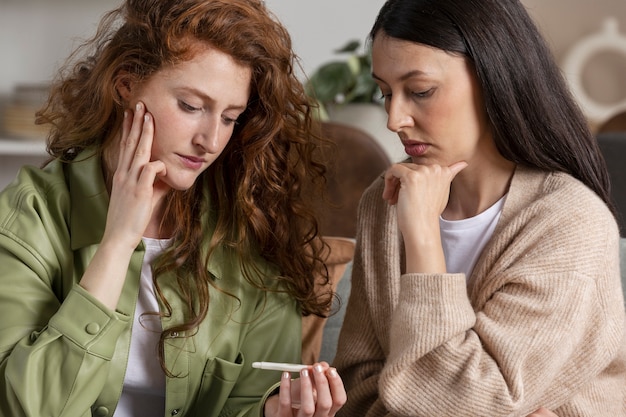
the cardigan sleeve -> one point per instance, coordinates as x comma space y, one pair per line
362, 349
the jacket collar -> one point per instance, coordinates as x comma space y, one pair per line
89, 199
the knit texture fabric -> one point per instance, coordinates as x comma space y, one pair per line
540, 321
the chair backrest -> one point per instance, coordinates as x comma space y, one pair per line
613, 147
616, 123
354, 162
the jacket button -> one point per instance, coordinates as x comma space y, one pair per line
101, 411
92, 328
175, 411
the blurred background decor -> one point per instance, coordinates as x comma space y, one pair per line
37, 35
343, 81
587, 51
17, 112
346, 93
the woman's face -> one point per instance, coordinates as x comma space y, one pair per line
433, 102
195, 105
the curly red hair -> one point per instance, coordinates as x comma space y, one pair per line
257, 183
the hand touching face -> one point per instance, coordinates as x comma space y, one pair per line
194, 105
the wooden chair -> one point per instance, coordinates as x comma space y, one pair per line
354, 162
615, 123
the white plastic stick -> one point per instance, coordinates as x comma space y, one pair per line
274, 366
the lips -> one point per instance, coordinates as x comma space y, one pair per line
192, 162
413, 148
192, 158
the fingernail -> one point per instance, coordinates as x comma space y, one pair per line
146, 117
304, 373
125, 114
138, 106
333, 372
286, 375
318, 368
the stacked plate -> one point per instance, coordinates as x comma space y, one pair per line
18, 113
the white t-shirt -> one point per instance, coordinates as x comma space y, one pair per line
464, 240
143, 394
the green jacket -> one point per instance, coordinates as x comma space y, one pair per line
62, 353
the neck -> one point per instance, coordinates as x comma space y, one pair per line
475, 190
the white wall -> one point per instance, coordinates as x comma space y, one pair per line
36, 35
318, 27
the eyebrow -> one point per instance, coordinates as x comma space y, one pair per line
206, 97
404, 77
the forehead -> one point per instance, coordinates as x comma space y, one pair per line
211, 71
392, 57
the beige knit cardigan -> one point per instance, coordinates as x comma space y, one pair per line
540, 323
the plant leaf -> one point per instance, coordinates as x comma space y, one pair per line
329, 81
351, 47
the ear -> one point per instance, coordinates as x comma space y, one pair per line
124, 86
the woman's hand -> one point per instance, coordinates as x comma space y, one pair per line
543, 412
318, 392
134, 190
419, 191
134, 196
420, 194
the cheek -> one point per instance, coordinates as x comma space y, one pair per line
166, 124
463, 113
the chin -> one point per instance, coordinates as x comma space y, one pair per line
178, 184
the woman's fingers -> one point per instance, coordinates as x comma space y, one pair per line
132, 129
392, 186
432, 180
330, 392
143, 147
147, 170
319, 392
134, 194
307, 397
337, 390
284, 396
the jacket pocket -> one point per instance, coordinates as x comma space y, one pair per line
218, 379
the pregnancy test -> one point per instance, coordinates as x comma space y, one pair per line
274, 366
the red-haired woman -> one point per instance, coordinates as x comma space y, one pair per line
166, 245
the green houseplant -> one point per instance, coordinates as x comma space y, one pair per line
339, 82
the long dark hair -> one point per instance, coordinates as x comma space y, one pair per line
535, 119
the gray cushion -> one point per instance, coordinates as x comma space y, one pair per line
613, 147
334, 322
623, 266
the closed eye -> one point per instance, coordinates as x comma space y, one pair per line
229, 120
424, 94
188, 107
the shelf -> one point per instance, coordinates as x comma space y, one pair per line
25, 147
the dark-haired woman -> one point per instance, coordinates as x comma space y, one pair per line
167, 245
486, 280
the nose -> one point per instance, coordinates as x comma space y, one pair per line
398, 116
207, 136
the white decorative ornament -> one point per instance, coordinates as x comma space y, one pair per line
608, 39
